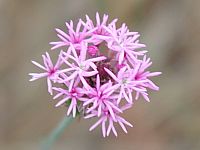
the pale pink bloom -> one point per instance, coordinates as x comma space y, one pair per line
140, 74
51, 71
74, 36
72, 94
97, 28
80, 66
125, 83
125, 43
106, 117
101, 97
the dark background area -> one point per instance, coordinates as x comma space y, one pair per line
171, 31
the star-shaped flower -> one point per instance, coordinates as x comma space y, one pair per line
72, 93
51, 71
106, 117
125, 83
101, 97
125, 43
140, 75
74, 36
81, 67
98, 28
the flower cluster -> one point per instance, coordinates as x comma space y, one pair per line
100, 72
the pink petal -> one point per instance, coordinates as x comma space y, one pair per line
120, 97
104, 128
121, 56
96, 124
99, 109
49, 86
113, 106
88, 101
85, 84
40, 66
62, 38
83, 52
154, 74
65, 70
124, 121
63, 33
78, 26
125, 95
70, 108
74, 51
48, 60
111, 88
122, 126
96, 59
114, 131
62, 101
89, 73
72, 76
111, 74
98, 82
111, 111
90, 116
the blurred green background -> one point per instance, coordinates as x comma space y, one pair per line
171, 30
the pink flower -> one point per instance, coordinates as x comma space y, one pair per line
106, 117
97, 29
125, 43
72, 94
74, 37
125, 83
80, 66
51, 71
101, 97
100, 72
139, 74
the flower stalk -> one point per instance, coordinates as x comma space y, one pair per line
56, 133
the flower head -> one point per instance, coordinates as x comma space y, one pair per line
100, 72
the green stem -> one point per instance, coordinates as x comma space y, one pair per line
56, 133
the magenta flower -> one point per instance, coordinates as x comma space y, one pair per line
125, 43
139, 74
125, 83
51, 71
100, 72
80, 66
101, 97
74, 37
106, 117
97, 29
72, 94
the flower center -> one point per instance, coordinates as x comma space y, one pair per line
73, 93
104, 77
124, 81
106, 112
51, 72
